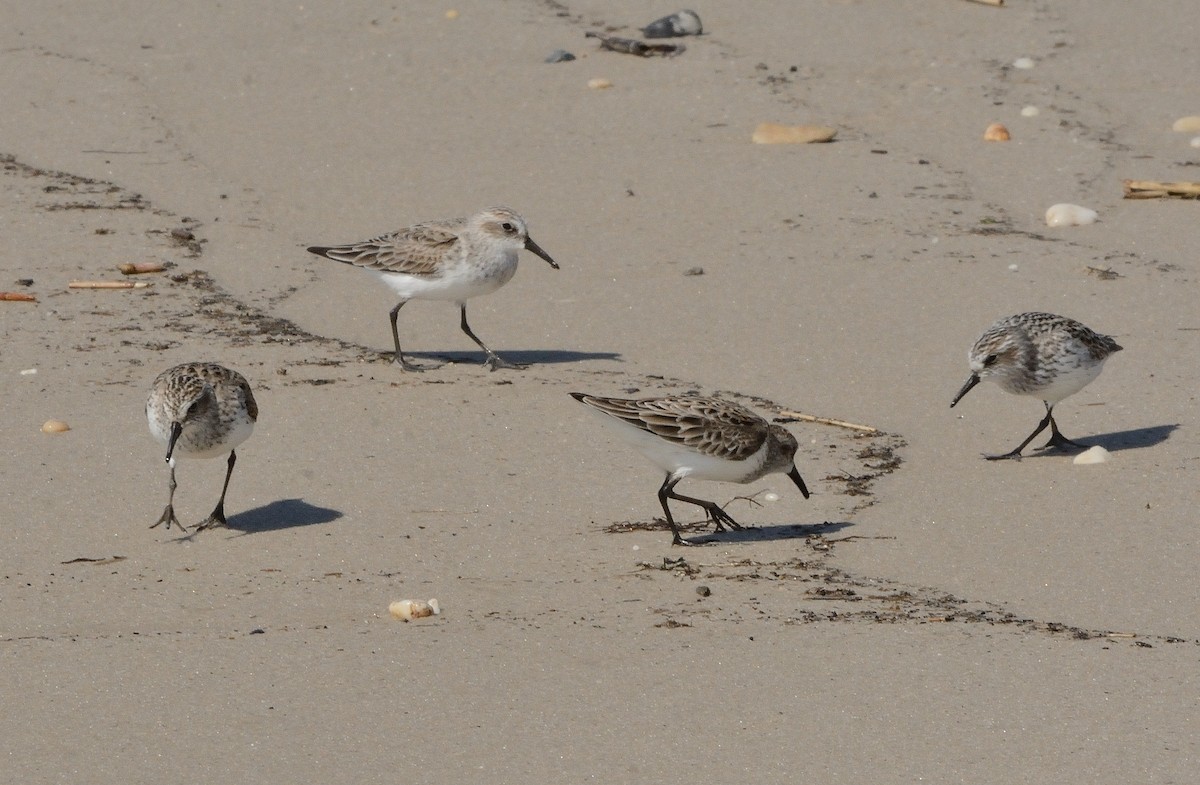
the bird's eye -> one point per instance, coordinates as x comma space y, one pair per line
508, 227
989, 361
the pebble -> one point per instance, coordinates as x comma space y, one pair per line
1095, 454
599, 84
1030, 111
55, 426
770, 496
774, 133
1187, 125
677, 24
694, 271
996, 132
1024, 63
1195, 141
1070, 215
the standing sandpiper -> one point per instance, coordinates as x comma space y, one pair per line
200, 410
705, 438
1040, 354
444, 260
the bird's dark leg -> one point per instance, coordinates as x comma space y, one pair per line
663, 493
218, 514
168, 515
1056, 437
398, 358
719, 517
493, 361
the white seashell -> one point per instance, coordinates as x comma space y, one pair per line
1187, 125
1013, 267
1096, 454
1194, 143
599, 83
1030, 111
407, 610
770, 496
1070, 215
29, 372
55, 426
1024, 63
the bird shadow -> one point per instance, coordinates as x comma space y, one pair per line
769, 533
519, 356
281, 514
1135, 438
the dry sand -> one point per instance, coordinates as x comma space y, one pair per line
948, 624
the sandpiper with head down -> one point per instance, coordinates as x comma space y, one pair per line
451, 260
1039, 354
701, 437
200, 410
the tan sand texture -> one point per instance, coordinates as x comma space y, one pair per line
927, 616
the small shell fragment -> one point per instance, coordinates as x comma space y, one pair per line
55, 426
559, 56
1024, 63
1096, 454
1070, 215
1187, 125
677, 24
599, 83
775, 133
1030, 111
452, 13
770, 496
407, 610
1195, 141
996, 132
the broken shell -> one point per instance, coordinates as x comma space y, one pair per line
770, 496
1024, 63
678, 24
774, 133
1096, 454
452, 14
1195, 141
407, 610
1070, 215
559, 56
1030, 111
55, 426
996, 132
1187, 125
599, 83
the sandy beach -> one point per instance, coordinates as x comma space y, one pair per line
927, 616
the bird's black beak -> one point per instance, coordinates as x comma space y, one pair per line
176, 430
796, 478
530, 245
966, 388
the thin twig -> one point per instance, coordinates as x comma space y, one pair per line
827, 421
107, 285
